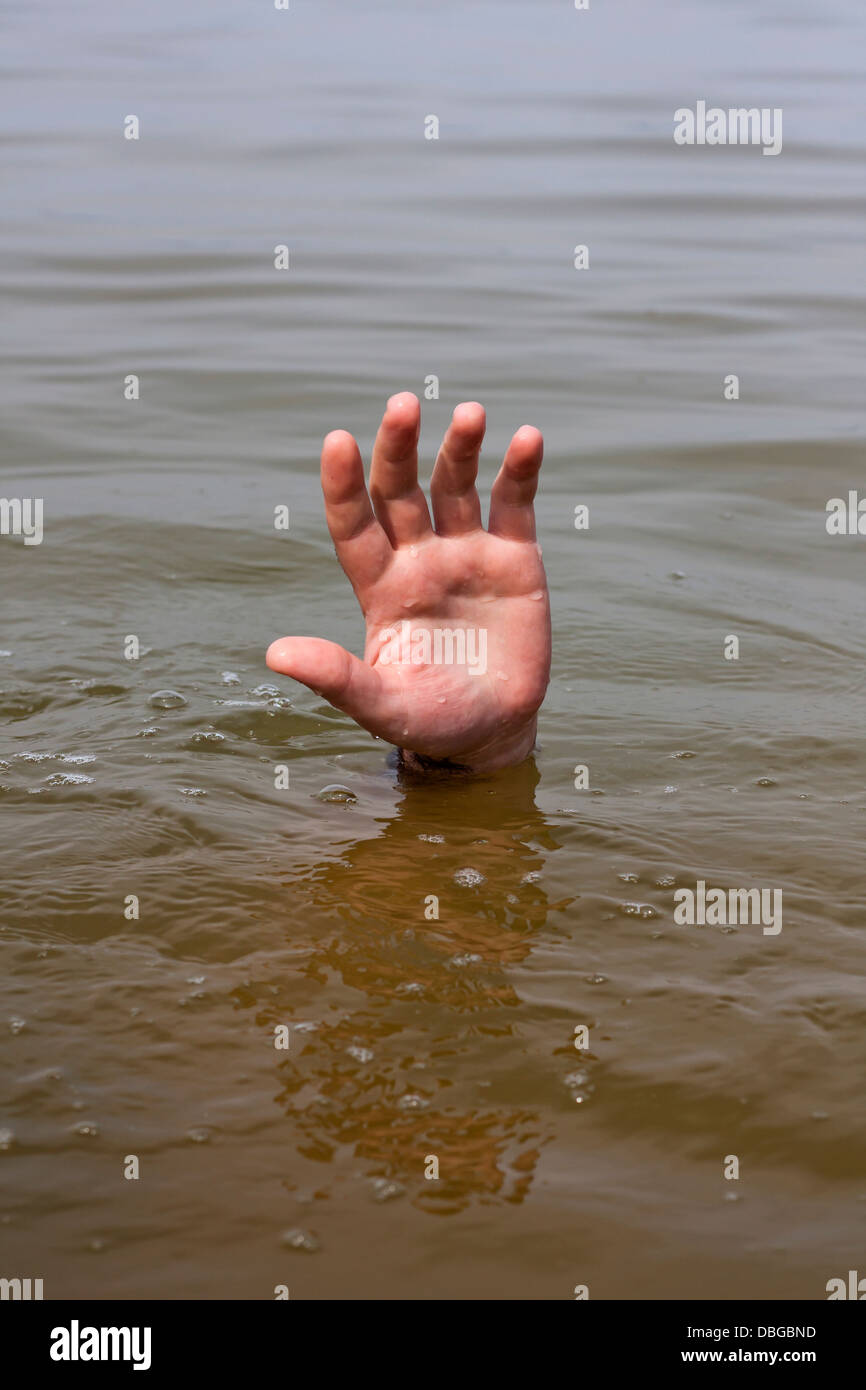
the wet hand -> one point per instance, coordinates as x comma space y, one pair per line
457, 653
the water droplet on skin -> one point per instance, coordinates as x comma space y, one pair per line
441, 700
501, 676
413, 550
537, 594
409, 602
167, 699
336, 793
405, 733
297, 1239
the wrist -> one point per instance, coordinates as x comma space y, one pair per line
505, 750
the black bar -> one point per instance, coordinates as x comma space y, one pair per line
243, 1337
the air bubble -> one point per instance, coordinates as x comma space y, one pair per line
412, 1102
385, 1191
167, 699
336, 793
297, 1239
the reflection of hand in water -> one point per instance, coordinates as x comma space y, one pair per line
427, 586
432, 1063
475, 845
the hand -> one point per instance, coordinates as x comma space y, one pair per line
484, 589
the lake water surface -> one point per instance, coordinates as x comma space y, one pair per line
259, 907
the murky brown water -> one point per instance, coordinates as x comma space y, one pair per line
259, 907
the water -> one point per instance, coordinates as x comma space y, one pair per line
304, 909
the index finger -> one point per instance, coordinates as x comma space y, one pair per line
362, 547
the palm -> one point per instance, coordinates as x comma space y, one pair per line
430, 598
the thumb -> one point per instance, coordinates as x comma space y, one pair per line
328, 669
